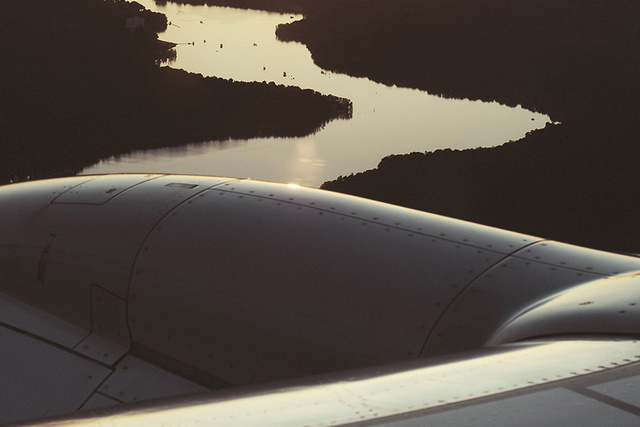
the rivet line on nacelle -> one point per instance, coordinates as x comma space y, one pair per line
398, 224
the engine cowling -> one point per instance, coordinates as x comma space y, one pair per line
228, 281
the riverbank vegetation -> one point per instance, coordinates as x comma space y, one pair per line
572, 184
281, 6
571, 59
575, 60
82, 80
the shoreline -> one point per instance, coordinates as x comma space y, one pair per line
80, 86
575, 182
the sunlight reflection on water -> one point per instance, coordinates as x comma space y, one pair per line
241, 45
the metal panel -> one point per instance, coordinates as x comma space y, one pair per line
626, 390
256, 281
526, 278
103, 241
54, 252
135, 380
98, 400
555, 407
512, 385
100, 190
21, 250
26, 199
606, 306
109, 339
39, 323
446, 229
275, 286
40, 379
579, 259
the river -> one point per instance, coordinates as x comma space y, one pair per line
241, 45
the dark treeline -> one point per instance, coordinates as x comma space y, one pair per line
575, 60
78, 86
561, 182
547, 55
292, 6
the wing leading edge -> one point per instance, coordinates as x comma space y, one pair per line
543, 382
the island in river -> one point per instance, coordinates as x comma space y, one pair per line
81, 81
575, 60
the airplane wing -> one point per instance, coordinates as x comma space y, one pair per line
177, 299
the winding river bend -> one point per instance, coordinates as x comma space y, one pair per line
241, 45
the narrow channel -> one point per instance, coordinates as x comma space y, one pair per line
241, 45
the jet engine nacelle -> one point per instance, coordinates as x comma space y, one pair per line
230, 281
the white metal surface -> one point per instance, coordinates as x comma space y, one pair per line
625, 390
53, 253
605, 306
556, 407
39, 323
358, 397
109, 339
100, 190
310, 281
136, 380
38, 378
525, 278
180, 283
409, 220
